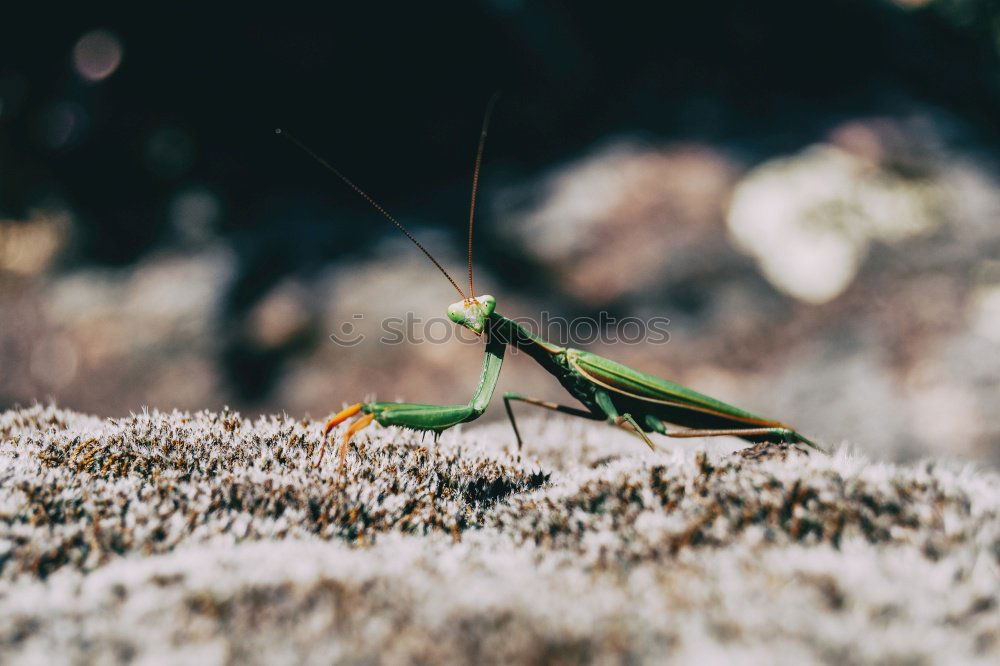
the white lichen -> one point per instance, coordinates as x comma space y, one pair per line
209, 538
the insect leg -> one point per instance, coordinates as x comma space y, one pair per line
735, 432
573, 411
621, 420
655, 424
633, 425
334, 421
785, 434
351, 431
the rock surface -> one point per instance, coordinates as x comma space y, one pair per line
207, 537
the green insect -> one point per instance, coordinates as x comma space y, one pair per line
608, 391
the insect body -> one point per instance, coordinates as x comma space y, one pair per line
606, 390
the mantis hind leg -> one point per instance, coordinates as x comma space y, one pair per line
784, 434
563, 409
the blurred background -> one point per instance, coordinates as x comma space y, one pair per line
808, 191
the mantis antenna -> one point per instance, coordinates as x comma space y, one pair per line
375, 204
475, 181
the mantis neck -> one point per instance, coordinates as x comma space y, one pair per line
521, 338
503, 332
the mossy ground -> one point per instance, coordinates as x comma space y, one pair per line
207, 537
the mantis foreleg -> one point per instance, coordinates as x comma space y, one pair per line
424, 417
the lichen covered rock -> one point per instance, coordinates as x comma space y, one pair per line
212, 538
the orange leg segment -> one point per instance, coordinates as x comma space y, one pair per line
358, 425
334, 422
341, 417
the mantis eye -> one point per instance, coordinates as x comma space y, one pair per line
488, 303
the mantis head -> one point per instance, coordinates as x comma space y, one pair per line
472, 313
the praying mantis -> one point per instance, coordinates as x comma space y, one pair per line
608, 391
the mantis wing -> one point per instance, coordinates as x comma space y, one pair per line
632, 383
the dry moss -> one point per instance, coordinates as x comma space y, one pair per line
213, 539
655, 511
150, 482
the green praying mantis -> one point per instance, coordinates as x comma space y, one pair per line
608, 391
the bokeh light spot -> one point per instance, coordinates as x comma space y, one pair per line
809, 219
28, 248
97, 55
